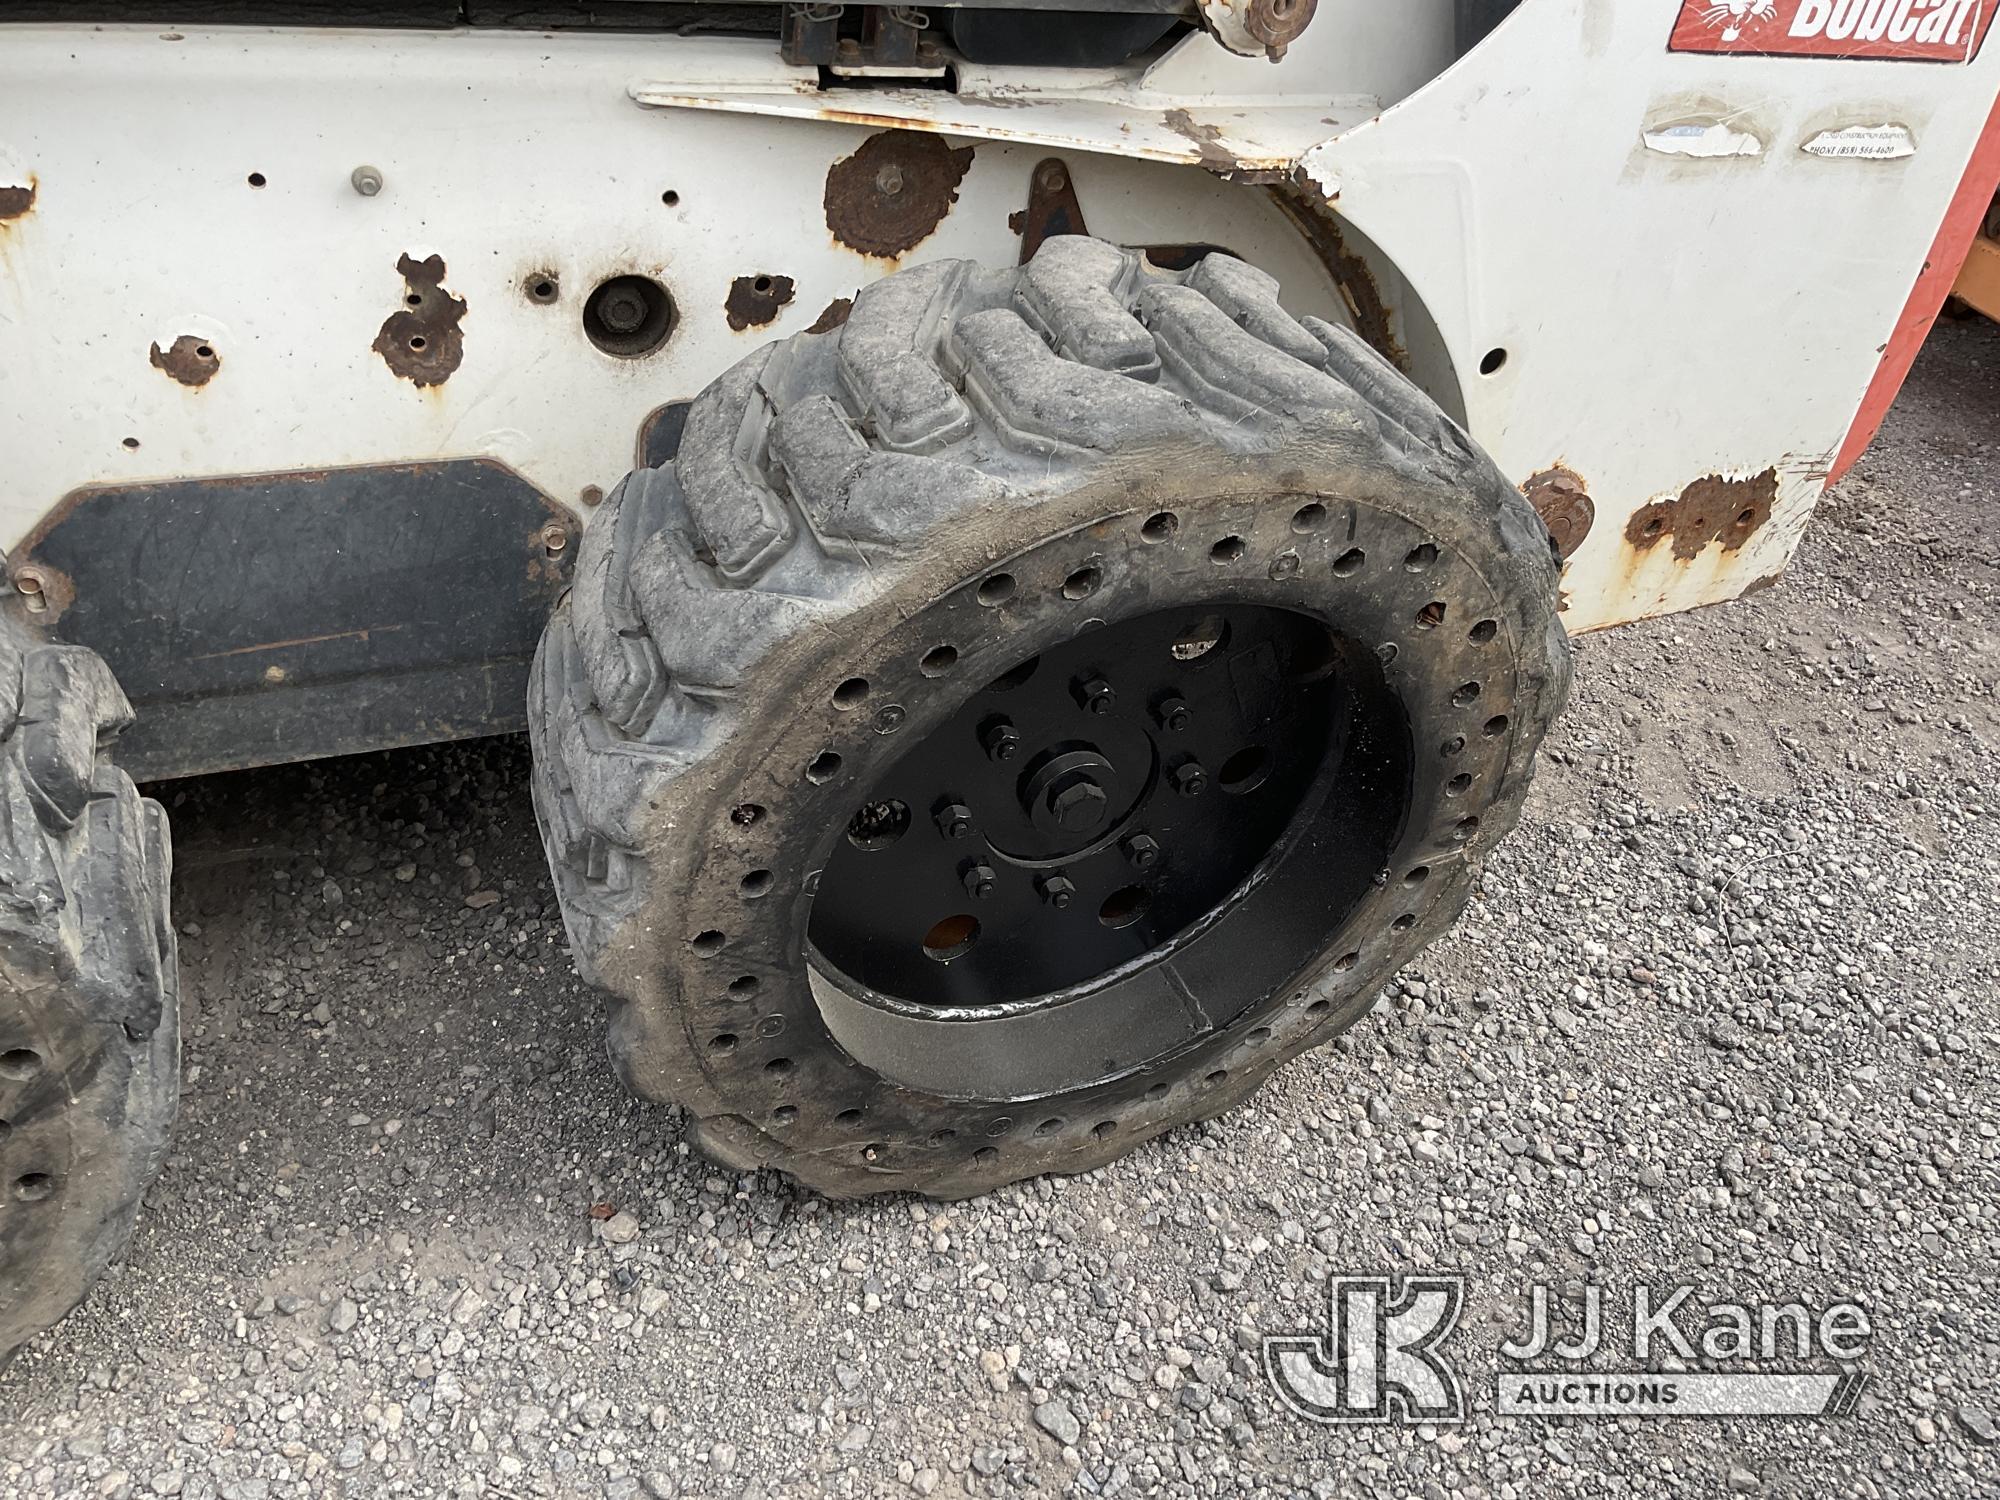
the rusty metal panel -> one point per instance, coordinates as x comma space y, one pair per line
279, 617
1624, 263
505, 181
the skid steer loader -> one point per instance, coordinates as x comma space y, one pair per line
1110, 486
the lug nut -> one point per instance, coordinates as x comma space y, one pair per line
1173, 714
979, 879
1057, 890
1189, 779
1142, 849
1095, 695
1001, 740
954, 819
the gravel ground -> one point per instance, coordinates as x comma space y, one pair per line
1722, 1014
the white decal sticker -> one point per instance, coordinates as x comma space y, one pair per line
1702, 140
1864, 143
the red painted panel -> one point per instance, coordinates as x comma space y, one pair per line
1940, 269
1945, 31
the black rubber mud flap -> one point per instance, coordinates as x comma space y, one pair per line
262, 618
858, 757
89, 1021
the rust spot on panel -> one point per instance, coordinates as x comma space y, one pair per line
1213, 154
754, 301
41, 591
550, 551
191, 360
893, 191
833, 315
1351, 275
1052, 207
16, 200
1206, 139
421, 341
1565, 507
1712, 509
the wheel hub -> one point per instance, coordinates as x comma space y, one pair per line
1067, 796
1085, 809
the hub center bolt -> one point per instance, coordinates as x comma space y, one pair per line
1079, 806
1067, 795
1189, 779
622, 312
979, 879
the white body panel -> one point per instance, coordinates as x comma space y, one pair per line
1671, 309
506, 154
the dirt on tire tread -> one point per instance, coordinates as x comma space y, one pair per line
88, 983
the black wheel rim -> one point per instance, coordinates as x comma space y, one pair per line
1013, 904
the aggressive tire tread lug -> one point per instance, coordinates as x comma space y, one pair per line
886, 365
1042, 402
1424, 429
1237, 372
737, 513
1069, 292
1249, 297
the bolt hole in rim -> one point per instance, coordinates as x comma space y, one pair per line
1028, 996
997, 589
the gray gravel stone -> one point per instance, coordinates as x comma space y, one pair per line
1055, 1418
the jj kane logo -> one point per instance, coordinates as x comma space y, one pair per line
1380, 1357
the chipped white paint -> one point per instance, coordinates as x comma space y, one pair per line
1864, 143
1716, 138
